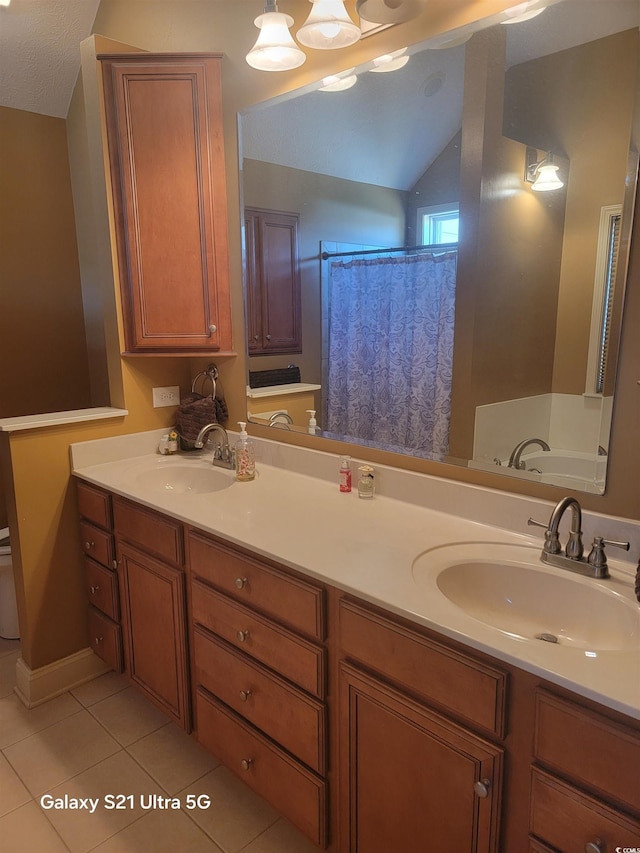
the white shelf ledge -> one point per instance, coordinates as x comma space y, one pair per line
48, 419
276, 390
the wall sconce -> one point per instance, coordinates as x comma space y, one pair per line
541, 174
328, 26
275, 49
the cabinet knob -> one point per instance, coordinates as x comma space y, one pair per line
98, 640
256, 337
246, 763
241, 582
482, 788
268, 337
594, 846
89, 545
245, 694
242, 636
94, 589
114, 564
213, 329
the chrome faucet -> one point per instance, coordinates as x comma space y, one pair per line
223, 455
280, 418
595, 564
516, 453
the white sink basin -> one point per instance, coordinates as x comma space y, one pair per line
181, 478
508, 589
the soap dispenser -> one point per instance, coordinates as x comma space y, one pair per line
313, 424
245, 455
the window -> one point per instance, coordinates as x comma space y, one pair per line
438, 224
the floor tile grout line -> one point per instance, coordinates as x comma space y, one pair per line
44, 729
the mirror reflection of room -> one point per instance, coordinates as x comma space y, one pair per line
501, 332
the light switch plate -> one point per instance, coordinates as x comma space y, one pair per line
169, 396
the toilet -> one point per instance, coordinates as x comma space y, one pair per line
9, 629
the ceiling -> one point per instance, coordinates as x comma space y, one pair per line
40, 52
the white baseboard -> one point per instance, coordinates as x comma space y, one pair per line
35, 686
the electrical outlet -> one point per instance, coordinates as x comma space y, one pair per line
169, 396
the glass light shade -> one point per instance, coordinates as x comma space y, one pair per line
390, 61
523, 12
328, 26
339, 83
547, 179
275, 49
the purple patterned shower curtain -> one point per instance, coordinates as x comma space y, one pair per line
391, 350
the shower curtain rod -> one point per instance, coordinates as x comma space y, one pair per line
443, 247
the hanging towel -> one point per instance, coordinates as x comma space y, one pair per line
197, 410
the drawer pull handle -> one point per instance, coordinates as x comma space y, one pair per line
246, 763
242, 636
94, 589
241, 583
594, 846
114, 564
98, 640
213, 329
482, 788
245, 694
89, 545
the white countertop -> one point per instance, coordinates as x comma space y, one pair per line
368, 547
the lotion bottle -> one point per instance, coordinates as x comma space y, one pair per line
245, 456
313, 424
345, 474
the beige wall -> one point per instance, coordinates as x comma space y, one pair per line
558, 110
43, 513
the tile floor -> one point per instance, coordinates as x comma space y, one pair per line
102, 740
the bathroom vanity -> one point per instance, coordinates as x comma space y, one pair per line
271, 619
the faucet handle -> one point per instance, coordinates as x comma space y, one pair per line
597, 557
551, 539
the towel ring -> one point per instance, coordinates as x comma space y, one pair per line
211, 373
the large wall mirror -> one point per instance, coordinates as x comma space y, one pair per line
495, 346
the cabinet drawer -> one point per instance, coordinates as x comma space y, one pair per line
290, 788
281, 711
105, 638
97, 544
288, 599
102, 589
568, 820
610, 764
289, 655
470, 689
95, 505
153, 532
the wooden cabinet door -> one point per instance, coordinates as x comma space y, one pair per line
164, 126
154, 621
409, 776
273, 282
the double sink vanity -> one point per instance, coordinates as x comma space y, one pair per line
380, 671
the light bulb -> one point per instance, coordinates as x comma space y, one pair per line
275, 49
390, 61
547, 178
328, 26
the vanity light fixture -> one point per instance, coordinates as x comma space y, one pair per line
339, 82
390, 61
328, 26
388, 11
541, 174
524, 12
275, 49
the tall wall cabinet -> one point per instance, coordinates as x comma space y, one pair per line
272, 282
165, 136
